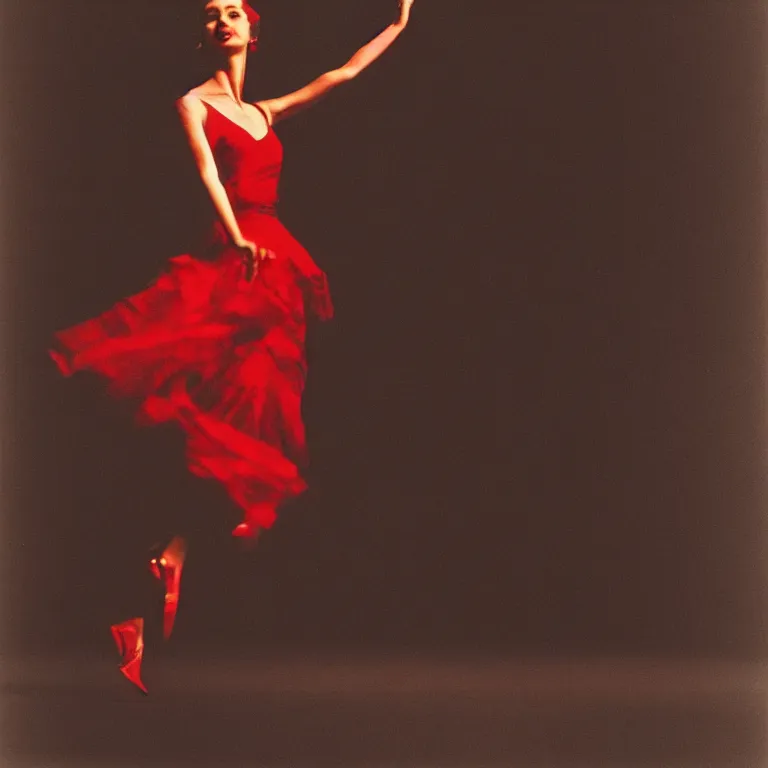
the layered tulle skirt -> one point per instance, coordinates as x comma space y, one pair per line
221, 357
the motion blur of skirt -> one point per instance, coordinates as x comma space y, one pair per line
221, 357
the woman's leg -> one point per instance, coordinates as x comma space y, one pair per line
132, 613
146, 560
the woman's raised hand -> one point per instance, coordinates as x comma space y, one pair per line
252, 256
405, 10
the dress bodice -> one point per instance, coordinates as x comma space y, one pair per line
249, 168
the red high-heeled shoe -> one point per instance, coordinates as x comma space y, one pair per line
167, 567
129, 638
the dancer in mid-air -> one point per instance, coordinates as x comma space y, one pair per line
216, 343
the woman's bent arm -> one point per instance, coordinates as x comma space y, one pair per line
192, 113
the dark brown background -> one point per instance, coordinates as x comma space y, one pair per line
538, 421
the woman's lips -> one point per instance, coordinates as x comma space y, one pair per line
224, 35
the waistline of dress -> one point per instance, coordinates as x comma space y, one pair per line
263, 209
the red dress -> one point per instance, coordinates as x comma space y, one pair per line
222, 357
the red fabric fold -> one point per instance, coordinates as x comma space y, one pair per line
222, 358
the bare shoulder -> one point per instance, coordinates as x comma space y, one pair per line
190, 104
263, 108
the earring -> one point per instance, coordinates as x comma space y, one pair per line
253, 44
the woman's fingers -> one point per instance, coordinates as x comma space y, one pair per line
251, 258
266, 253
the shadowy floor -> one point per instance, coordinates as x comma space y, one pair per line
384, 713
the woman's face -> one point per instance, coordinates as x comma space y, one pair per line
227, 26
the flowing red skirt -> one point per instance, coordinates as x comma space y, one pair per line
221, 357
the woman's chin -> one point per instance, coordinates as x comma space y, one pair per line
226, 47
230, 46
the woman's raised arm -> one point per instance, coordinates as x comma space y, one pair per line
291, 103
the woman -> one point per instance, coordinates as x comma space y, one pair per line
216, 344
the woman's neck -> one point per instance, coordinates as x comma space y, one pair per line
231, 78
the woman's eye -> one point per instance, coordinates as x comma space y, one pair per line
234, 15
